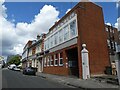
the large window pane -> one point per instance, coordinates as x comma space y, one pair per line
56, 38
61, 59
73, 30
61, 36
66, 33
51, 41
51, 59
56, 60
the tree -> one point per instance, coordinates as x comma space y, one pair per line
15, 60
1, 58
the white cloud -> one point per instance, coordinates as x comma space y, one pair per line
108, 23
15, 37
117, 24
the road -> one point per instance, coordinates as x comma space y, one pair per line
15, 79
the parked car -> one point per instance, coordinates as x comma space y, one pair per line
12, 66
29, 71
16, 68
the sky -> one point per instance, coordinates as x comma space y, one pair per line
23, 21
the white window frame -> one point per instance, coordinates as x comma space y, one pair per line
60, 59
75, 29
54, 31
55, 60
51, 43
56, 38
51, 60
61, 34
66, 29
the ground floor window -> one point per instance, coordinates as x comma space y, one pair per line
51, 60
61, 59
56, 60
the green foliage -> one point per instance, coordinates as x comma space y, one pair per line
15, 60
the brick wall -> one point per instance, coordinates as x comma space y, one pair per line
91, 31
60, 70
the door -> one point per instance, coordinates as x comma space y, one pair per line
72, 55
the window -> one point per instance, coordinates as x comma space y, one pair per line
107, 29
108, 42
51, 60
60, 36
72, 15
72, 63
51, 41
66, 33
48, 43
73, 29
45, 62
56, 38
110, 29
61, 59
55, 60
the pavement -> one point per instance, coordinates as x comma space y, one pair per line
91, 83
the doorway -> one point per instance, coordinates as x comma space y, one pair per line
72, 55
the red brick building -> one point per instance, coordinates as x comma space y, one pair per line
112, 38
113, 42
84, 24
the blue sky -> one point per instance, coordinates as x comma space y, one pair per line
25, 12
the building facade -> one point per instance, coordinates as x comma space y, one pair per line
25, 54
34, 52
84, 24
113, 41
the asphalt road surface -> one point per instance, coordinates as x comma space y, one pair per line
15, 79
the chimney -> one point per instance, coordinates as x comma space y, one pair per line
38, 37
